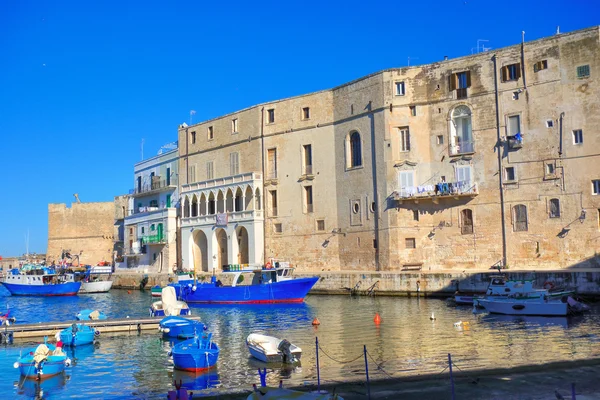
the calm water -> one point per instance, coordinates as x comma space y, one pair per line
407, 342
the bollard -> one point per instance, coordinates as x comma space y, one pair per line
451, 378
318, 370
367, 371
263, 377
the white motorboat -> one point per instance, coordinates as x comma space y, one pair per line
271, 349
538, 304
96, 279
169, 305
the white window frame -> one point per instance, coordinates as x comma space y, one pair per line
577, 136
399, 88
464, 173
595, 187
404, 136
408, 177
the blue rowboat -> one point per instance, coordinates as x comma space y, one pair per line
197, 354
90, 315
43, 282
43, 361
78, 335
267, 286
176, 327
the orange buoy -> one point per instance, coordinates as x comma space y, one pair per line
377, 319
316, 321
129, 292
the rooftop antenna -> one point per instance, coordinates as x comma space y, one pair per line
482, 46
142, 148
414, 58
27, 244
192, 113
558, 30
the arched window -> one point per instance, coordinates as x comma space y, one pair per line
194, 206
520, 218
355, 151
186, 207
466, 221
461, 134
554, 206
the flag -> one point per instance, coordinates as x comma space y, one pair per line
192, 112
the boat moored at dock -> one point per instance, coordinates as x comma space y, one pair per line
197, 354
43, 361
270, 349
40, 282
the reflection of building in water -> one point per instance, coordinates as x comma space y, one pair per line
462, 163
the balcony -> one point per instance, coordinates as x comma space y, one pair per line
515, 142
154, 239
232, 217
462, 147
461, 93
147, 214
442, 190
158, 185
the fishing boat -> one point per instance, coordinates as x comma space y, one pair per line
169, 305
176, 327
197, 354
270, 349
271, 284
40, 282
537, 304
78, 335
90, 315
156, 291
95, 279
43, 361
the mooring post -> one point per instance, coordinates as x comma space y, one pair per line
367, 371
573, 391
263, 377
318, 370
451, 378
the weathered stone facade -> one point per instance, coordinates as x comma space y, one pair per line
84, 229
350, 175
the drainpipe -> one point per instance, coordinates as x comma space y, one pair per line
560, 133
262, 155
375, 196
500, 180
523, 60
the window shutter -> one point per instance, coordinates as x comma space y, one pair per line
468, 78
407, 140
504, 74
452, 82
518, 71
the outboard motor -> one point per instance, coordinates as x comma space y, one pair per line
284, 348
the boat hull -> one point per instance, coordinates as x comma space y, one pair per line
292, 291
84, 335
61, 289
176, 327
524, 307
96, 287
195, 355
266, 349
53, 366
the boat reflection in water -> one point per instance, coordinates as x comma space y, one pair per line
80, 353
196, 381
42, 389
277, 371
530, 321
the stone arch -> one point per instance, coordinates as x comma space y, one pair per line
248, 200
199, 250
202, 204
220, 202
186, 207
212, 204
257, 199
229, 206
221, 249
241, 235
238, 200
194, 211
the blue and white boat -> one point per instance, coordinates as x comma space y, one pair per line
43, 361
40, 282
169, 305
197, 354
90, 315
78, 335
176, 327
267, 285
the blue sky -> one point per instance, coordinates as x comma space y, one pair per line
83, 82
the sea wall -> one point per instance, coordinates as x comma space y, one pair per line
587, 282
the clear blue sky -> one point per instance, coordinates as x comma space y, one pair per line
82, 82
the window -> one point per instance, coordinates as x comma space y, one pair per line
550, 169
307, 159
549, 123
210, 170
152, 227
410, 243
440, 139
320, 225
372, 207
210, 133
277, 228
399, 88
540, 65
271, 116
308, 198
355, 152
415, 215
193, 134
272, 164
142, 230
273, 194
463, 175
520, 218
192, 174
466, 222
234, 125
234, 163
514, 136
577, 136
460, 81
306, 113
404, 139
554, 206
509, 174
583, 71
413, 111
511, 72
596, 187
406, 183
461, 135
355, 208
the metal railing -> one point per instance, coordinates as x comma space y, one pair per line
439, 189
462, 148
157, 184
153, 239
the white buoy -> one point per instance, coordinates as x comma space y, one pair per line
16, 364
432, 317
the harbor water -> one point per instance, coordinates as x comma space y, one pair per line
406, 342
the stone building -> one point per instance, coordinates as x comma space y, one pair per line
486, 160
84, 230
150, 223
